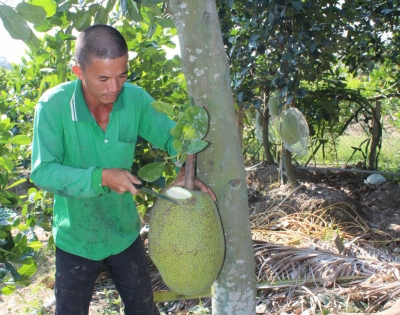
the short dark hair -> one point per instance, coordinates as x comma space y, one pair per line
99, 41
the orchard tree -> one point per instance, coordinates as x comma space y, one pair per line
276, 45
206, 71
287, 47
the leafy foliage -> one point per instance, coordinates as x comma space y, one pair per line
304, 51
190, 129
18, 242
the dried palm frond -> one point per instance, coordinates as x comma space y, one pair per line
278, 262
284, 224
313, 271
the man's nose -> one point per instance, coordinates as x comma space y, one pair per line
114, 85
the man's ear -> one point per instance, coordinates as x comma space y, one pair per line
78, 71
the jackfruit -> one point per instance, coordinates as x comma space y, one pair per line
290, 130
274, 103
186, 241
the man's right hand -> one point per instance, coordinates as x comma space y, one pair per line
119, 180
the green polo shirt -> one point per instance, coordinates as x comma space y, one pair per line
69, 151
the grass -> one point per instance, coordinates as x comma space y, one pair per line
349, 150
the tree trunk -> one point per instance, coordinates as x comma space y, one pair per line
240, 124
221, 165
289, 169
265, 132
376, 136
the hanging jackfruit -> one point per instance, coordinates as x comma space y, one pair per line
186, 241
290, 131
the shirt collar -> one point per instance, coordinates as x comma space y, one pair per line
79, 109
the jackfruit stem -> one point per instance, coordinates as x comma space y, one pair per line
190, 175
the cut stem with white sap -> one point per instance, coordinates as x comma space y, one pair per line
178, 193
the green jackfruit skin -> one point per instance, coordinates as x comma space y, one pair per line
186, 243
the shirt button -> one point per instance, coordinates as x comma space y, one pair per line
106, 141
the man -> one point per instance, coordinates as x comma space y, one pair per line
85, 133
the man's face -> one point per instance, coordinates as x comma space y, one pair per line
102, 81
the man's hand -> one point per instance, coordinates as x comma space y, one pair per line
180, 181
119, 180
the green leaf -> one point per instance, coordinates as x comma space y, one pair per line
33, 43
24, 281
23, 180
5, 136
35, 245
6, 214
21, 139
9, 289
133, 10
66, 36
166, 23
24, 210
151, 30
163, 107
193, 124
14, 23
110, 5
12, 197
83, 21
101, 16
150, 51
10, 268
4, 201
5, 124
6, 163
52, 79
151, 172
50, 6
32, 13
28, 269
20, 246
50, 243
3, 235
194, 146
177, 146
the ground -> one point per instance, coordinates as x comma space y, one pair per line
376, 205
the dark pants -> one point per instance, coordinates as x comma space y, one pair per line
76, 276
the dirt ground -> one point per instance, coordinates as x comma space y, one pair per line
377, 205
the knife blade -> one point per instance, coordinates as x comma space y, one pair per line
155, 194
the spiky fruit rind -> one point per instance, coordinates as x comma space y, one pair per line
186, 243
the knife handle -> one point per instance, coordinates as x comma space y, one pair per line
137, 186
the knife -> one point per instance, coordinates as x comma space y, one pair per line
153, 193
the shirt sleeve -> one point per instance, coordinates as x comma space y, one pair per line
48, 173
155, 127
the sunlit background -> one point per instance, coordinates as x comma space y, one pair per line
10, 48
13, 49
